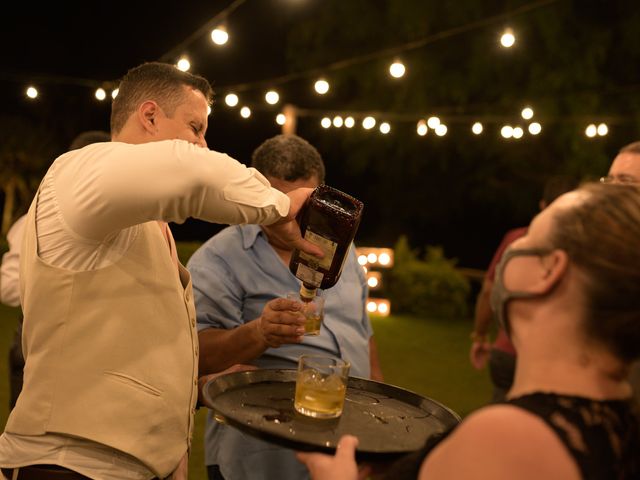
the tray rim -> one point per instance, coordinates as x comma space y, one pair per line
234, 380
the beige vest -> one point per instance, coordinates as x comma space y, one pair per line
111, 354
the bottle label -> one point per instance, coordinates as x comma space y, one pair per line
308, 275
328, 246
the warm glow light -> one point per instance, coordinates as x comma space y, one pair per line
349, 122
591, 131
372, 306
602, 129
32, 92
183, 64
321, 86
385, 128
433, 122
506, 131
535, 128
101, 94
245, 112
441, 130
231, 99
396, 69
477, 128
337, 121
325, 122
114, 93
372, 282
517, 132
527, 113
219, 35
508, 38
422, 128
272, 97
209, 110
280, 119
383, 308
362, 259
384, 259
368, 123
379, 306
372, 258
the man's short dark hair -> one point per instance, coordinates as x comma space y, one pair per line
160, 82
288, 157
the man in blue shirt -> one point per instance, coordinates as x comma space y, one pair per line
240, 277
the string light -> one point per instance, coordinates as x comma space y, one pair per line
433, 122
368, 123
527, 113
535, 128
321, 86
114, 92
280, 119
245, 112
338, 121
397, 69
219, 35
325, 122
591, 130
385, 128
272, 97
517, 132
101, 94
183, 64
506, 131
441, 130
602, 129
508, 38
231, 99
349, 122
32, 92
422, 128
477, 128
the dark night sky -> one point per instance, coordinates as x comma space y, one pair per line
98, 42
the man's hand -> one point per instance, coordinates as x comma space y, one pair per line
285, 233
341, 466
205, 378
281, 322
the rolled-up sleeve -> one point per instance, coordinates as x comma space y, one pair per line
10, 267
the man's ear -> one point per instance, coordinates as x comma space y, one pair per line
147, 114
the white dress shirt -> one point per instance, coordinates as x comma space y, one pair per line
89, 205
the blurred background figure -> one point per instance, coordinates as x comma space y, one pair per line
500, 354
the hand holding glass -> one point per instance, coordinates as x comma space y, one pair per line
313, 312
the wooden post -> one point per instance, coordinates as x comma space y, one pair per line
290, 119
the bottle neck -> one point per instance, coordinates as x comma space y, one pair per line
307, 294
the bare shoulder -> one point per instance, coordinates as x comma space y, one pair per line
500, 442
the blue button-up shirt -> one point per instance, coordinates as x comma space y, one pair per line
234, 274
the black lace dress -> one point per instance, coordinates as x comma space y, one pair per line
603, 437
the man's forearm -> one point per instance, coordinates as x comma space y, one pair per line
220, 348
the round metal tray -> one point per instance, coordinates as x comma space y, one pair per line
387, 420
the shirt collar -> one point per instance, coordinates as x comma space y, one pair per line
250, 234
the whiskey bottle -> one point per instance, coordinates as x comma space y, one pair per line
330, 220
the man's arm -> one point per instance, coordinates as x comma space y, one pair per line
480, 346
279, 324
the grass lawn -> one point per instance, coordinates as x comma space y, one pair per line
425, 356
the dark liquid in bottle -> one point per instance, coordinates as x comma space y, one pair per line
329, 219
